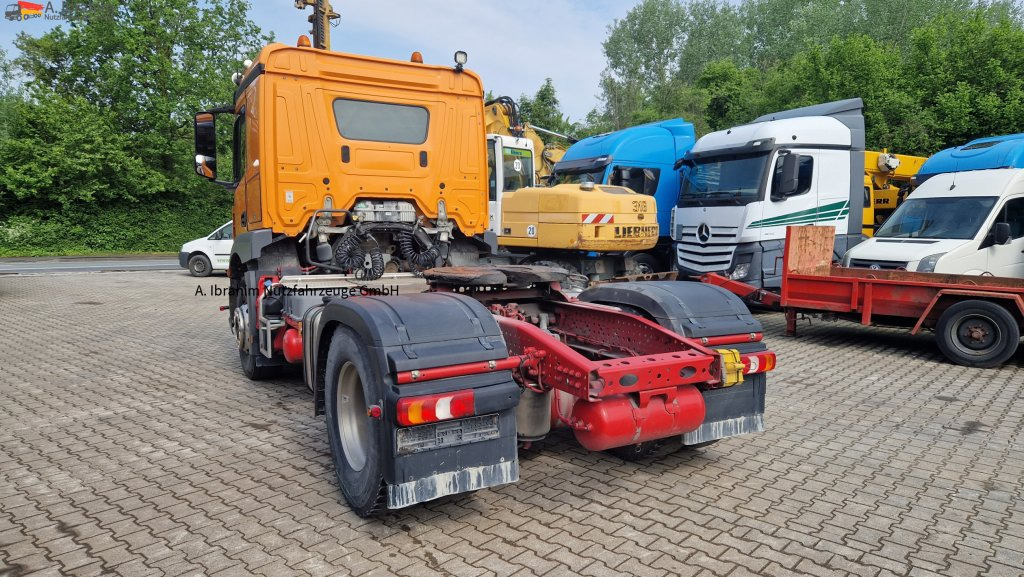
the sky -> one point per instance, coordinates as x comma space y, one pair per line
513, 45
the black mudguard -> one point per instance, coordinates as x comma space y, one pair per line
420, 331
690, 309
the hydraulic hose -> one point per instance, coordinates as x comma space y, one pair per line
348, 253
376, 269
411, 252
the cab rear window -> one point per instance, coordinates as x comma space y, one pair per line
381, 121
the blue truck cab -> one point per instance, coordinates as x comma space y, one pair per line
1005, 151
640, 158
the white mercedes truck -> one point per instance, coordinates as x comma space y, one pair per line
743, 186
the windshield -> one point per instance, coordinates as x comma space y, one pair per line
733, 179
517, 168
957, 217
577, 176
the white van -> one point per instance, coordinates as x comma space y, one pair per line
207, 254
956, 223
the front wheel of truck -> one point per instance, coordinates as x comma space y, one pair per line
352, 387
254, 365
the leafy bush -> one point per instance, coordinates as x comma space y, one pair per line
160, 225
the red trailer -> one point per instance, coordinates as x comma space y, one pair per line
977, 319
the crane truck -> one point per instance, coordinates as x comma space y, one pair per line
432, 394
888, 180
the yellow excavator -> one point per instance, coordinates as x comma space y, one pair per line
501, 118
592, 230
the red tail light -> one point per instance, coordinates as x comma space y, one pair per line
433, 408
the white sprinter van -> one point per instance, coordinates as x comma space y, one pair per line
968, 222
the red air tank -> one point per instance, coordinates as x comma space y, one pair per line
629, 419
292, 346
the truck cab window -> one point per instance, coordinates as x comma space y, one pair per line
517, 167
492, 176
805, 171
238, 155
381, 121
636, 179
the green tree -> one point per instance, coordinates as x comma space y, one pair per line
543, 110
106, 126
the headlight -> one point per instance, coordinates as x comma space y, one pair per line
740, 272
927, 263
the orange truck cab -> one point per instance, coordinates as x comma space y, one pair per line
350, 163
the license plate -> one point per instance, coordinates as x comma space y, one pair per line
447, 434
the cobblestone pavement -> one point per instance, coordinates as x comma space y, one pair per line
130, 444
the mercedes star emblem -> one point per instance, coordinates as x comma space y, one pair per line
703, 233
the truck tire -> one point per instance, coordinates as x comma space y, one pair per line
977, 333
199, 265
253, 365
643, 263
351, 385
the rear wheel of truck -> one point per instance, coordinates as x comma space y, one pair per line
977, 333
352, 387
242, 324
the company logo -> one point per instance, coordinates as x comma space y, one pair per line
874, 267
703, 233
27, 10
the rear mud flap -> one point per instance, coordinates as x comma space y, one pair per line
731, 411
714, 430
442, 484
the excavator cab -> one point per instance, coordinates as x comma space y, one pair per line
510, 166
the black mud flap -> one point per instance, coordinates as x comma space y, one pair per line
451, 457
731, 411
423, 331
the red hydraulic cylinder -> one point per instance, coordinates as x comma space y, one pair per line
629, 419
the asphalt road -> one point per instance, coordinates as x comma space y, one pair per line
48, 265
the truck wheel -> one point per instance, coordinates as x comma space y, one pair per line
199, 265
245, 333
643, 263
352, 386
977, 333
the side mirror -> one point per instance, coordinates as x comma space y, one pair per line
206, 145
1001, 233
787, 177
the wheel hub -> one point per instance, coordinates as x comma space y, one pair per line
240, 326
975, 334
354, 419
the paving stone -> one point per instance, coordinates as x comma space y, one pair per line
144, 451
